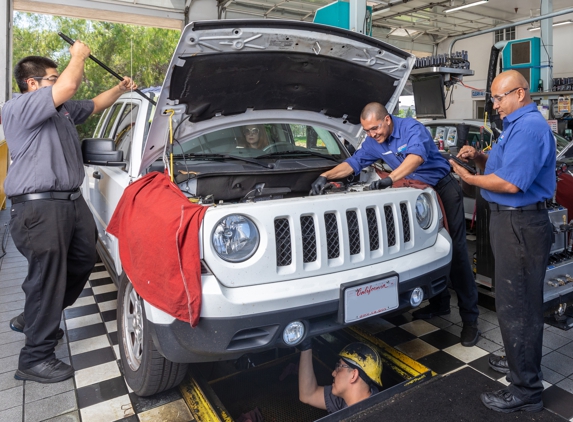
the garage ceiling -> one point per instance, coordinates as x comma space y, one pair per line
419, 21
413, 25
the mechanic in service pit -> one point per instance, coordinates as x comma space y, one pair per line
356, 375
408, 148
52, 225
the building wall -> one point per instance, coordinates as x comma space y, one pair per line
479, 49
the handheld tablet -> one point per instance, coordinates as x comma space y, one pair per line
463, 164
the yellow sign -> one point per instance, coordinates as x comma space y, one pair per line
564, 105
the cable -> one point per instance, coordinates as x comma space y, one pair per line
4, 241
467, 86
184, 162
451, 95
171, 113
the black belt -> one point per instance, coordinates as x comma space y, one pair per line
443, 181
62, 195
532, 207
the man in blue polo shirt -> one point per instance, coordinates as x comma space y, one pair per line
519, 177
408, 148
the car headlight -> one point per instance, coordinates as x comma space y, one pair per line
235, 238
424, 211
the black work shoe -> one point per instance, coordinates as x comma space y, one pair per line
46, 372
499, 364
470, 334
17, 324
504, 401
429, 312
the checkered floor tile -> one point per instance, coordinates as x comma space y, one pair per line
435, 343
102, 394
98, 392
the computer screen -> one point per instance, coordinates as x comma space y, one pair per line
429, 97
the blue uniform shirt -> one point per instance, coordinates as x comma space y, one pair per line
408, 137
524, 155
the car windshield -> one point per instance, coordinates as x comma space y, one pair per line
269, 140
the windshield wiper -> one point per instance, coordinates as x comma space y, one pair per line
223, 157
298, 152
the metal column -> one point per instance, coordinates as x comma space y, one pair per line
546, 45
6, 22
357, 16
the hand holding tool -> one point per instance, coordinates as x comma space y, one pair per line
118, 76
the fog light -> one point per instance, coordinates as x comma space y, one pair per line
417, 297
293, 333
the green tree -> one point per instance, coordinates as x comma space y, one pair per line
409, 112
140, 52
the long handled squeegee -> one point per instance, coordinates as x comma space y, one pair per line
118, 76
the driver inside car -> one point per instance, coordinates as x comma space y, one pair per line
255, 137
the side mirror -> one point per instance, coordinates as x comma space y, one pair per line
101, 152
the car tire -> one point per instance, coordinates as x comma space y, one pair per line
146, 371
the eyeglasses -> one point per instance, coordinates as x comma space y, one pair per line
253, 131
52, 78
373, 129
340, 365
497, 98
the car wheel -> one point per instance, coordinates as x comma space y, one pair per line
146, 371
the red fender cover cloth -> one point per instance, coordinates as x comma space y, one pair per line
409, 183
158, 232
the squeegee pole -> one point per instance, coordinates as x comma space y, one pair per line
117, 75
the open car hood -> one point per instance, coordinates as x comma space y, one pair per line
229, 71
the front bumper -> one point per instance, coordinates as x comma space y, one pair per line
229, 338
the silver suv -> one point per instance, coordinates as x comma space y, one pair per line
277, 264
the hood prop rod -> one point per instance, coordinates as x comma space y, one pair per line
118, 76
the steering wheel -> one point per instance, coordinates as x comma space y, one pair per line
275, 146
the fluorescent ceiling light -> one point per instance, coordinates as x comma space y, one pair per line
463, 6
379, 12
537, 28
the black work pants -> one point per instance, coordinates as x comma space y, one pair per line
461, 275
58, 239
521, 241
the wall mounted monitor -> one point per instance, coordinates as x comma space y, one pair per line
429, 97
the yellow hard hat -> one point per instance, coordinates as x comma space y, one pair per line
364, 358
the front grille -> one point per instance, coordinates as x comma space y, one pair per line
308, 238
405, 221
353, 232
283, 242
372, 229
332, 242
390, 228
362, 233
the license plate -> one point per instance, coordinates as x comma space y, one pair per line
369, 299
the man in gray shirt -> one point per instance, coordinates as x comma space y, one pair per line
51, 224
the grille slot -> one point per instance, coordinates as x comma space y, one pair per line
283, 242
353, 232
405, 221
332, 241
308, 233
390, 228
372, 229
